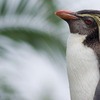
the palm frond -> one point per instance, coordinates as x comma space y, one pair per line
3, 8
21, 6
7, 92
35, 38
34, 24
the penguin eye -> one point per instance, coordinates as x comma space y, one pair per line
88, 22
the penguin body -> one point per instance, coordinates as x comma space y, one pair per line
82, 67
83, 53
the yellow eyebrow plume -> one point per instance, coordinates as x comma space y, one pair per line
96, 17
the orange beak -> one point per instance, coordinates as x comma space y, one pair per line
66, 15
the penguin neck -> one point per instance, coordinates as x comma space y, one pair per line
93, 42
82, 66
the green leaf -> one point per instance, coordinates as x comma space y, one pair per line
3, 8
7, 92
21, 7
35, 38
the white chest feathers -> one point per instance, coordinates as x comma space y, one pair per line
82, 66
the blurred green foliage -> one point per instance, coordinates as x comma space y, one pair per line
7, 92
41, 40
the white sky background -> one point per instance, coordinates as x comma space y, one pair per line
75, 5
32, 73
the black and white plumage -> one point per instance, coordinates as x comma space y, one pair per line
83, 53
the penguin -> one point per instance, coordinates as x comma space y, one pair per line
83, 53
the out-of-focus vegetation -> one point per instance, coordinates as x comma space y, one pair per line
34, 23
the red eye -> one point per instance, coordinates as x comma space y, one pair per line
88, 22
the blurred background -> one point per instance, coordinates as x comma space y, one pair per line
33, 48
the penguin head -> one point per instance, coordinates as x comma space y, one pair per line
84, 22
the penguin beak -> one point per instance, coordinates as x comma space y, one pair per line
66, 15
